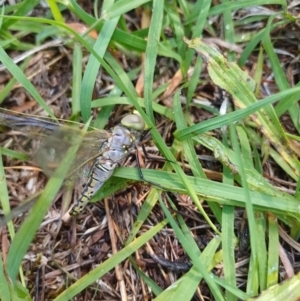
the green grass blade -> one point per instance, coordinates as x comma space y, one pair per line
93, 66
143, 214
262, 250
121, 7
273, 246
4, 197
279, 203
151, 53
288, 290
55, 11
279, 74
228, 243
152, 284
249, 205
228, 29
13, 154
4, 284
202, 6
229, 239
76, 84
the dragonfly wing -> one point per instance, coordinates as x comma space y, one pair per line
25, 206
53, 149
27, 124
55, 140
89, 150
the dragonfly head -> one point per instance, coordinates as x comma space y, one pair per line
133, 121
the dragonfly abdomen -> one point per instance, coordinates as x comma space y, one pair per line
101, 172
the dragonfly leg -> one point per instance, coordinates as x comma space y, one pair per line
147, 155
141, 173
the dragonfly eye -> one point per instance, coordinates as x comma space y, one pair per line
133, 121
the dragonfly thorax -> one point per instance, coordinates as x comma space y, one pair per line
121, 138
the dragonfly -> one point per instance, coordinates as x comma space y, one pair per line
98, 156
